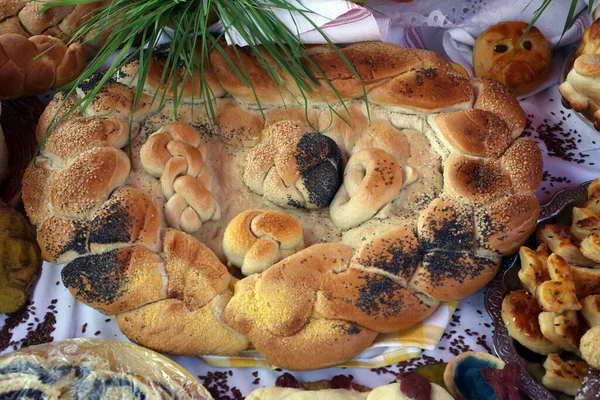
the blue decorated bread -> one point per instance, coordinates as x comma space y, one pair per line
464, 379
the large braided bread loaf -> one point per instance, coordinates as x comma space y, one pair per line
348, 224
33, 59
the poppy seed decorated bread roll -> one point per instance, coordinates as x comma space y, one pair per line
118, 280
347, 221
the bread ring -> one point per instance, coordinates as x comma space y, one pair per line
420, 198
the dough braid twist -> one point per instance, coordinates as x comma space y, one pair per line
174, 154
255, 240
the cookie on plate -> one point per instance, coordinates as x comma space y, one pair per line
533, 267
520, 312
559, 240
564, 376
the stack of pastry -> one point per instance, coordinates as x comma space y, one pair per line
560, 299
580, 89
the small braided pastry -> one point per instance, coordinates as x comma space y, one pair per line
372, 179
174, 154
255, 240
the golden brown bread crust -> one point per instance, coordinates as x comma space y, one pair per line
586, 281
589, 347
425, 91
294, 167
564, 376
372, 179
322, 284
446, 225
128, 217
374, 63
12, 25
474, 181
37, 22
9, 8
205, 333
198, 291
63, 239
283, 331
590, 41
304, 301
522, 68
255, 240
558, 294
585, 222
25, 19
79, 188
534, 269
491, 96
175, 155
523, 163
579, 88
401, 308
117, 281
503, 226
322, 343
31, 66
77, 135
561, 329
560, 241
590, 310
117, 100
475, 132
265, 90
189, 89
37, 185
446, 275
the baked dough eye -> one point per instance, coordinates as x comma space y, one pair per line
527, 45
500, 48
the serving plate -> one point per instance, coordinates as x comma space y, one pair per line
559, 210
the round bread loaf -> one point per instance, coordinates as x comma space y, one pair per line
348, 222
521, 65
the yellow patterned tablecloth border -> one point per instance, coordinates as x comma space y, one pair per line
395, 347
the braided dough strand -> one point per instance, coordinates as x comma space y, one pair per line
372, 179
174, 154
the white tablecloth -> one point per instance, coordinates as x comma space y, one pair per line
54, 314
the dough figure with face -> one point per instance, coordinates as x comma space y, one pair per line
521, 66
